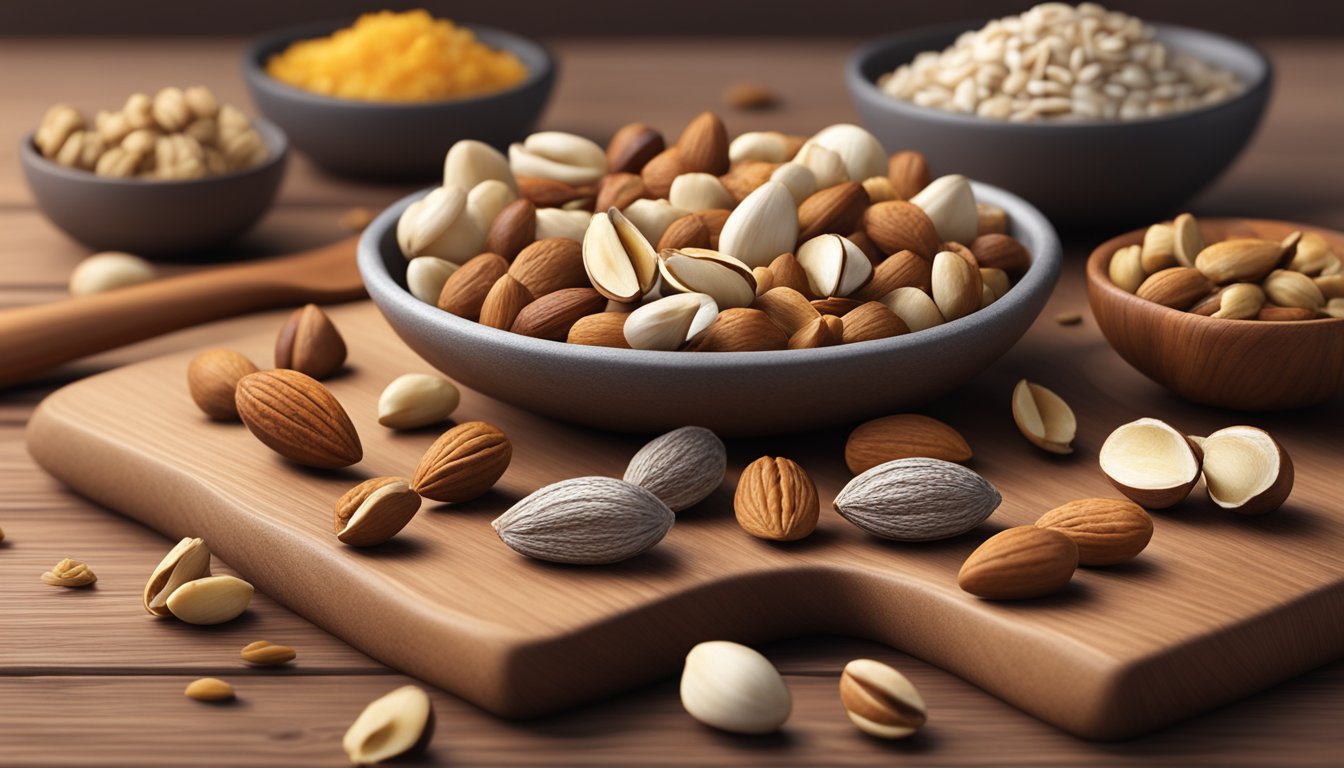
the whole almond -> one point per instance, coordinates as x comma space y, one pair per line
374, 511
550, 193
212, 379
788, 273
209, 689
466, 289
309, 343
1106, 531
264, 654
788, 308
1158, 251
897, 225
909, 173
1020, 563
1239, 301
992, 220
617, 190
682, 467
837, 209
999, 251
714, 219
917, 499
601, 329
298, 418
585, 521
899, 270
659, 172
776, 500
824, 331
689, 231
1273, 314
464, 463
548, 265
552, 315
838, 306
1244, 260
631, 147
1177, 287
957, 286
870, 320
513, 229
1126, 268
1293, 289
704, 144
740, 329
504, 302
903, 436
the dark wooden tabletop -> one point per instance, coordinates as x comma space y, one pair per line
90, 679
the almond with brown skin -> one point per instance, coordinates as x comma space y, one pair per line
1177, 287
714, 220
548, 265
909, 173
788, 273
687, 232
825, 331
1020, 563
617, 190
900, 226
514, 227
991, 219
298, 418
740, 330
212, 379
631, 147
1274, 314
903, 436
549, 193
746, 177
865, 243
602, 329
464, 463
838, 306
506, 299
776, 500
374, 511
1106, 531
466, 289
899, 270
999, 251
661, 170
552, 315
309, 343
837, 209
704, 144
789, 309
870, 320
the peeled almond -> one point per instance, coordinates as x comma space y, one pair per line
957, 286
1126, 268
835, 266
425, 276
826, 165
653, 217
762, 227
669, 322
560, 157
915, 307
438, 225
950, 204
558, 222
619, 260
1043, 417
1246, 470
699, 192
1243, 260
860, 151
699, 270
800, 180
1151, 462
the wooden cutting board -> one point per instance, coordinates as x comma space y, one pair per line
1217, 607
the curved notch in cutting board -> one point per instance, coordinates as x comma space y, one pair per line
1216, 608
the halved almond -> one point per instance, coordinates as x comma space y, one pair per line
1246, 470
1043, 417
618, 258
1151, 462
699, 270
834, 265
669, 322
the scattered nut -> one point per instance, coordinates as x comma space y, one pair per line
309, 343
399, 723
356, 219
1068, 318
265, 654
298, 418
917, 500
1020, 563
881, 701
69, 573
903, 436
776, 500
1246, 470
109, 271
415, 400
585, 521
733, 688
750, 97
212, 380
464, 463
210, 689
1044, 418
682, 467
1106, 531
374, 511
210, 600
184, 563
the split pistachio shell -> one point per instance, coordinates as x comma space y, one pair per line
486, 200
186, 562
1247, 470
669, 322
618, 258
915, 308
699, 270
396, 724
416, 400
1151, 462
834, 265
1043, 417
799, 179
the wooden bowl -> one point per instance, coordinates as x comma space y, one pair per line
1246, 365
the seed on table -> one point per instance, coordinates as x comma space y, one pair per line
209, 689
69, 573
267, 654
1068, 318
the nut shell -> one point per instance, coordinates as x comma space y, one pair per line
917, 500
585, 521
298, 418
374, 511
682, 467
464, 463
776, 500
1106, 531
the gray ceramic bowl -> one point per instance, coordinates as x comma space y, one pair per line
1080, 174
156, 218
389, 141
733, 393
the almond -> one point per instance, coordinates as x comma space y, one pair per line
1272, 314
824, 331
745, 178
837, 210
762, 227
714, 220
699, 192
704, 144
513, 229
1106, 531
776, 500
660, 171
465, 290
880, 189
918, 499
212, 380
999, 251
740, 330
957, 285
1177, 287
866, 244
1158, 251
585, 521
602, 329
265, 654
788, 273
909, 173
915, 308
687, 232
903, 436
1126, 268
897, 225
309, 343
464, 463
550, 193
950, 203
899, 270
552, 315
1187, 241
1244, 260
632, 147
618, 258
1293, 289
868, 321
504, 302
374, 511
788, 308
1020, 563
765, 279
548, 265
298, 418
617, 190
839, 306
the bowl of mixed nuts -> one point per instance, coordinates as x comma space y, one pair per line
651, 284
1095, 116
1236, 313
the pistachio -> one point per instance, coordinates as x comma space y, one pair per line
762, 227
776, 500
556, 222
210, 600
881, 701
108, 271
374, 511
800, 180
957, 285
186, 562
834, 265
1293, 289
826, 165
212, 381
915, 308
860, 151
1043, 417
729, 282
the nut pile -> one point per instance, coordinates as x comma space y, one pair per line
766, 242
1244, 277
1058, 62
178, 134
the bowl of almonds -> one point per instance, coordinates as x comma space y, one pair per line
1236, 313
764, 284
1097, 117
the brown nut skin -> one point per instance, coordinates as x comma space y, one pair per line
1020, 563
309, 343
390, 502
464, 463
632, 147
903, 436
1106, 531
212, 380
298, 418
776, 500
266, 654
466, 289
513, 229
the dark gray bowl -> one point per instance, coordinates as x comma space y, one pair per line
151, 217
733, 393
387, 141
1080, 174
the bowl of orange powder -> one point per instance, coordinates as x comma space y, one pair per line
386, 96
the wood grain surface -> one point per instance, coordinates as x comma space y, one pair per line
83, 675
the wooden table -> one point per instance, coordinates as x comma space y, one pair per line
90, 679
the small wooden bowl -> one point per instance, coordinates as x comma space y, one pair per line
1248, 365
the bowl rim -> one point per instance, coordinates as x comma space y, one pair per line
276, 141
1098, 276
867, 89
254, 70
1040, 277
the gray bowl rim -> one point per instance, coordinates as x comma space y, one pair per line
259, 47
1040, 276
865, 87
276, 142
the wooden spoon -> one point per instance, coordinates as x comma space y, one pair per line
36, 339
